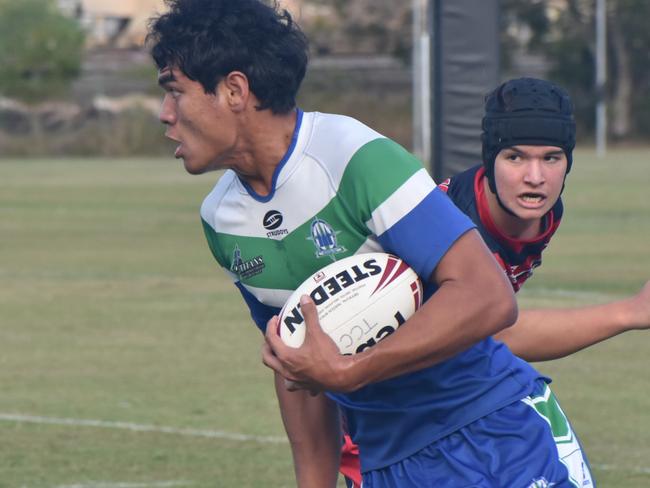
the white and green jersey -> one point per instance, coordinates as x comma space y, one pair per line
344, 189
330, 199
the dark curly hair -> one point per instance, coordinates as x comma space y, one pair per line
207, 39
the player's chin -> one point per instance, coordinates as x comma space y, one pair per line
193, 167
527, 213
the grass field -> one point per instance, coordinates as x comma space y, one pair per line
127, 359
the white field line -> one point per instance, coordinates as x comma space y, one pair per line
214, 434
612, 467
107, 484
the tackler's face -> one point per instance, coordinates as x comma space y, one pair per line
201, 123
529, 179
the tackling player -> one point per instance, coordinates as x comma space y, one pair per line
514, 198
424, 402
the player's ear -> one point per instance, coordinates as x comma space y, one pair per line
236, 90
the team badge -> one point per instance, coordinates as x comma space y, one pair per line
324, 238
246, 269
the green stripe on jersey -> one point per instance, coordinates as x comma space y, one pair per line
287, 262
374, 173
549, 408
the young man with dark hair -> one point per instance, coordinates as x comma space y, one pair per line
424, 402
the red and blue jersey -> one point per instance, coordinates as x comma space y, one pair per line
517, 257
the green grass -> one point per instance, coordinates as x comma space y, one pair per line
112, 309
602, 252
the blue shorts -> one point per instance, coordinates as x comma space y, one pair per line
528, 444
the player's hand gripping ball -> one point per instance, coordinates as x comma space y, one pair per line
360, 300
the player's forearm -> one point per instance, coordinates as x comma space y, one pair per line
474, 300
545, 334
457, 316
312, 424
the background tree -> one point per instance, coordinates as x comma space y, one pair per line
40, 55
628, 22
563, 31
362, 27
40, 50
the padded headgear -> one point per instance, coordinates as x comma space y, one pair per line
526, 111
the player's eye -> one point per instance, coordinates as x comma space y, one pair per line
171, 90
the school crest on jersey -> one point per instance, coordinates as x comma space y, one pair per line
246, 268
324, 238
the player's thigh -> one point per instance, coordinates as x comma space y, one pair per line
528, 444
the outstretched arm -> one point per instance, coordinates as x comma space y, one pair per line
313, 427
545, 334
474, 300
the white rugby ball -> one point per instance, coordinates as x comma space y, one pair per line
360, 300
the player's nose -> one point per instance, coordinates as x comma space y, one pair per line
535, 172
167, 114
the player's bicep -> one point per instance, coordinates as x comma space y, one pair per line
468, 259
426, 233
470, 281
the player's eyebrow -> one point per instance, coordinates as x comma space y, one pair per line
166, 78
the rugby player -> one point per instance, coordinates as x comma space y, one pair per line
423, 403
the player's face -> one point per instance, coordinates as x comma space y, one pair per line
200, 122
529, 179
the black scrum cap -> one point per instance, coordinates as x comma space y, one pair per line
527, 111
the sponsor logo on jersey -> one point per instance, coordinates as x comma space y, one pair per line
324, 238
271, 221
246, 269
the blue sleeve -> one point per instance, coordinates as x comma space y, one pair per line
260, 313
425, 234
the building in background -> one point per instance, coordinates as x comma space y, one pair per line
123, 23
114, 24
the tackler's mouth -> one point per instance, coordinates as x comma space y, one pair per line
531, 199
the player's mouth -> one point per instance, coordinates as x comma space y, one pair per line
177, 152
531, 200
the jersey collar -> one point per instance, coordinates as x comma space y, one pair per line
281, 165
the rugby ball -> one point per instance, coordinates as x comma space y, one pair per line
360, 300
